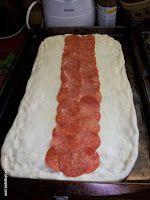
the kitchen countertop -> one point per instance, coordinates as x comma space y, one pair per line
9, 46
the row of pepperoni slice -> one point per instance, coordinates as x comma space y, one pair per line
75, 137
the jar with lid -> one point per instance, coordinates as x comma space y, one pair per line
106, 12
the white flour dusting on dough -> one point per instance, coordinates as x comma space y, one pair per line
24, 149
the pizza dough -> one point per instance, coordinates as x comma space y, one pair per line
25, 146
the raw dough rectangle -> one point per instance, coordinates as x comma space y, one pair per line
24, 149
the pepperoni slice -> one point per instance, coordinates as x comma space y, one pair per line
87, 64
89, 100
93, 163
87, 124
69, 85
95, 115
90, 76
87, 43
71, 43
76, 163
88, 83
90, 88
68, 107
89, 107
64, 143
72, 75
69, 129
66, 114
65, 119
71, 70
73, 163
66, 94
87, 140
52, 159
71, 61
88, 73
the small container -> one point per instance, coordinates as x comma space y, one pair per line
138, 10
106, 12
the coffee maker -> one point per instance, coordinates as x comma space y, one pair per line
69, 12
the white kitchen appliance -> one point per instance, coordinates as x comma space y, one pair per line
58, 13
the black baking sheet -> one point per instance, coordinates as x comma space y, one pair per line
141, 42
141, 170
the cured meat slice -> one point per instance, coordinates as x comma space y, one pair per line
69, 129
71, 44
88, 83
60, 130
90, 87
89, 101
65, 119
75, 163
69, 107
75, 137
71, 74
52, 159
93, 163
63, 143
87, 140
89, 124
66, 116
87, 43
67, 94
70, 84
67, 61
87, 64
90, 75
89, 107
